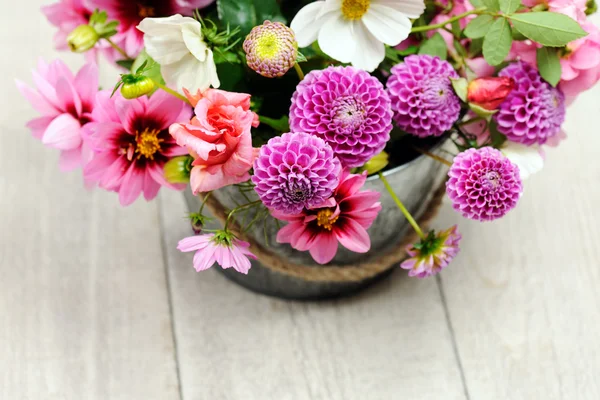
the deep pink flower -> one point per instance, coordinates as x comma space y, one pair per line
130, 13
65, 102
432, 254
132, 143
219, 139
344, 218
221, 248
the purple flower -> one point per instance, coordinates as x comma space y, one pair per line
295, 171
222, 248
432, 254
483, 184
534, 111
423, 101
271, 49
346, 107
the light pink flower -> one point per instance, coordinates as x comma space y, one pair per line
344, 218
581, 63
572, 8
132, 143
130, 13
432, 254
65, 102
221, 248
218, 138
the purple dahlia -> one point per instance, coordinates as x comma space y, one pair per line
483, 184
346, 107
423, 101
271, 49
533, 111
295, 171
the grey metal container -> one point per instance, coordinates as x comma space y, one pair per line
414, 182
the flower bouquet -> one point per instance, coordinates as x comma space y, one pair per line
300, 126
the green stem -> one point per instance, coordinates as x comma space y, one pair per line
117, 48
240, 208
299, 71
171, 92
448, 21
402, 208
204, 200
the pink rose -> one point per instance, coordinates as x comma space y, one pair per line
218, 138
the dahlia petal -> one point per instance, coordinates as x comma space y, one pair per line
67, 95
63, 133
387, 24
165, 108
129, 112
46, 90
337, 38
131, 186
351, 184
150, 187
69, 160
285, 234
37, 101
324, 248
115, 173
352, 235
86, 82
306, 24
39, 125
158, 175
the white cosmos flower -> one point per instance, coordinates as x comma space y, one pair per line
529, 159
354, 31
176, 43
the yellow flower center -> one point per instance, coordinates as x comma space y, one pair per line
267, 46
147, 143
355, 9
324, 218
146, 11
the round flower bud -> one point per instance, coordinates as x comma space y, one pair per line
376, 163
136, 86
177, 169
489, 93
271, 49
82, 38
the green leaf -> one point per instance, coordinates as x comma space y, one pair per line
482, 112
248, 13
477, 3
548, 28
479, 27
300, 58
549, 65
456, 29
408, 51
518, 36
282, 124
127, 64
475, 47
460, 87
498, 138
497, 42
509, 6
492, 5
435, 46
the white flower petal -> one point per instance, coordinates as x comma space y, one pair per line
528, 158
410, 8
370, 52
192, 36
330, 6
336, 38
191, 74
306, 24
386, 24
163, 38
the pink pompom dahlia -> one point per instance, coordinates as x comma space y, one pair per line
423, 101
295, 171
346, 107
483, 184
344, 218
533, 111
65, 102
433, 253
132, 143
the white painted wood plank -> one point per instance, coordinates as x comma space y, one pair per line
523, 294
390, 342
84, 310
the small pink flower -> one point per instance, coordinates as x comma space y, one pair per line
65, 102
221, 248
344, 218
218, 138
132, 143
432, 254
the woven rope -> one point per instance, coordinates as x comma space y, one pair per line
333, 273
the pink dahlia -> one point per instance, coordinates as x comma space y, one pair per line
131, 13
423, 101
483, 184
222, 248
132, 143
65, 102
346, 107
295, 171
533, 111
432, 254
344, 218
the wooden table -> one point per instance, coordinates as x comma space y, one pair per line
96, 303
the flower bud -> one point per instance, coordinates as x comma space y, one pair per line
197, 222
136, 86
177, 169
82, 38
489, 93
271, 49
376, 163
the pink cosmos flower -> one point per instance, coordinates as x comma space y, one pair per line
132, 143
432, 254
344, 218
221, 248
218, 138
131, 13
65, 102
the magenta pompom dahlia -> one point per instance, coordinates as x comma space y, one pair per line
483, 184
295, 171
534, 111
271, 49
346, 107
423, 101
